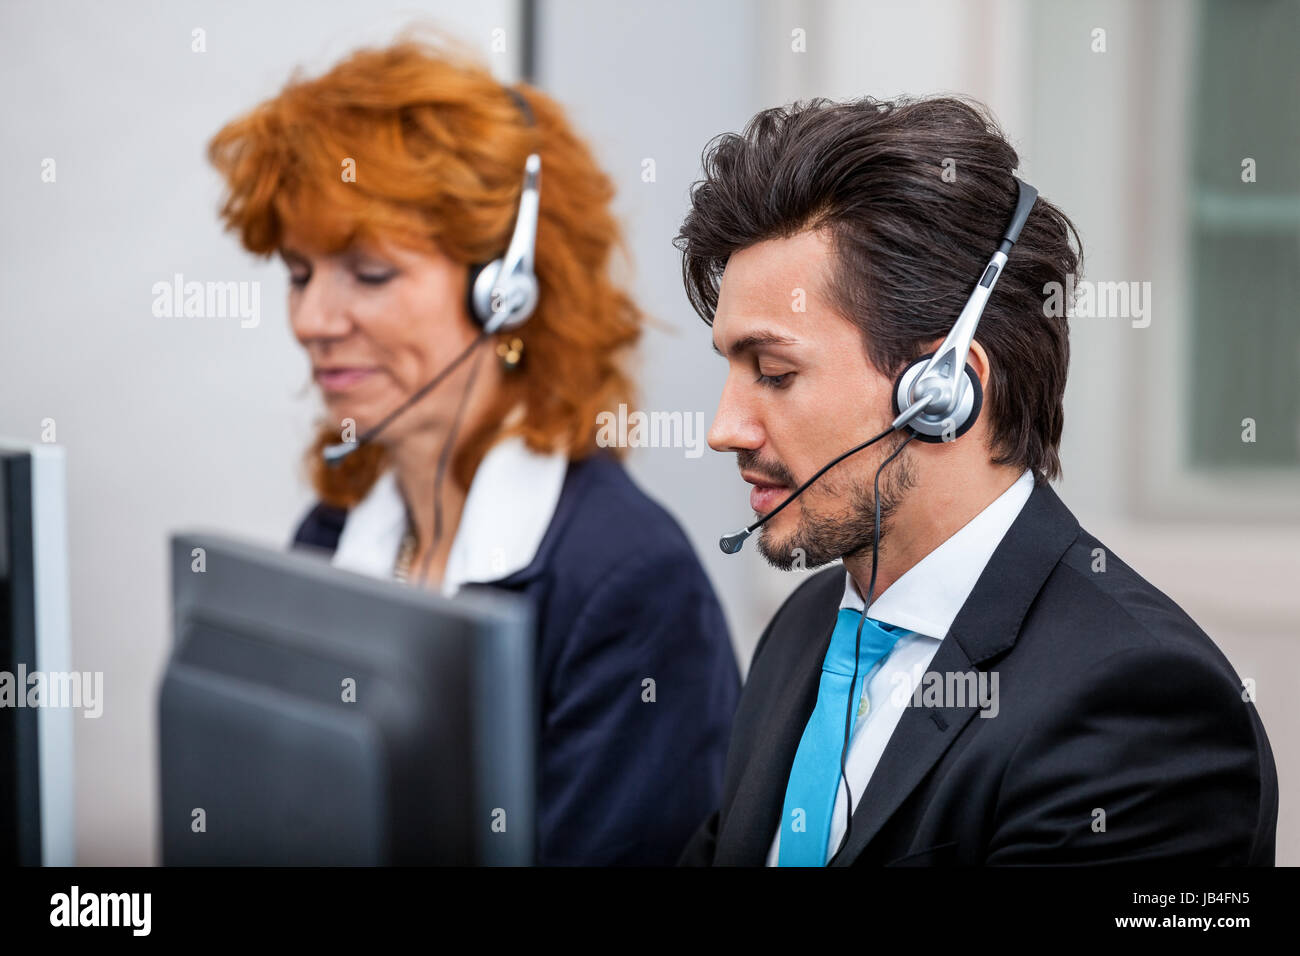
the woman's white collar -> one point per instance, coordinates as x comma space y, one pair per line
510, 504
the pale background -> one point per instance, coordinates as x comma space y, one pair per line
173, 423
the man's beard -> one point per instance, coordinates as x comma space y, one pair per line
819, 539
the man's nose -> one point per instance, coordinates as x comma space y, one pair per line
734, 425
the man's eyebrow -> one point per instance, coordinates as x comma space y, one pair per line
755, 340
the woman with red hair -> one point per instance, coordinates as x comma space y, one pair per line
385, 185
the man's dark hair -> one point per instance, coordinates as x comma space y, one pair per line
909, 242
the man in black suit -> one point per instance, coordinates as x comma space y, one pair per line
1008, 691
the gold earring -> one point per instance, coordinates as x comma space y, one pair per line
511, 353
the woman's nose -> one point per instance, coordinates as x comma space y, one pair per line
317, 311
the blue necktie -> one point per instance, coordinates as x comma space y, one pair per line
815, 773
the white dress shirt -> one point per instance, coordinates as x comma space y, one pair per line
509, 507
925, 599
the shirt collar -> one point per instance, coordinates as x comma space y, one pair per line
509, 507
927, 597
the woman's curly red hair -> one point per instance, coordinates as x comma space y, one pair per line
439, 148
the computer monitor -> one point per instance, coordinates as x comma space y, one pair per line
36, 760
312, 716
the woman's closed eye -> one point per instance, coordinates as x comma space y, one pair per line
299, 279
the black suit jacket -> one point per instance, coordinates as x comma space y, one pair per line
1110, 698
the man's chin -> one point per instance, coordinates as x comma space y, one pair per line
788, 553
781, 560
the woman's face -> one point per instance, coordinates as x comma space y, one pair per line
379, 321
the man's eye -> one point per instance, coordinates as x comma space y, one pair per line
775, 381
374, 278
298, 280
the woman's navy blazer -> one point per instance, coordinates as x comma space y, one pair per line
619, 597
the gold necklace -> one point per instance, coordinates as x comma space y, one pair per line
405, 555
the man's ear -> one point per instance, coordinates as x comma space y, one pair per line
978, 359
930, 348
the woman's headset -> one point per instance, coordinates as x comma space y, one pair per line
503, 292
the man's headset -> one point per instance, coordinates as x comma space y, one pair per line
938, 397
501, 295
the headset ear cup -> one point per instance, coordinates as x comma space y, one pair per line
898, 382
474, 272
977, 402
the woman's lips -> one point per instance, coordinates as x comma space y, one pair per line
341, 379
763, 498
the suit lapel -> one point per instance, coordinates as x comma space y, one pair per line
751, 822
986, 627
917, 743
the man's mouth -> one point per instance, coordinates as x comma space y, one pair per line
766, 494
